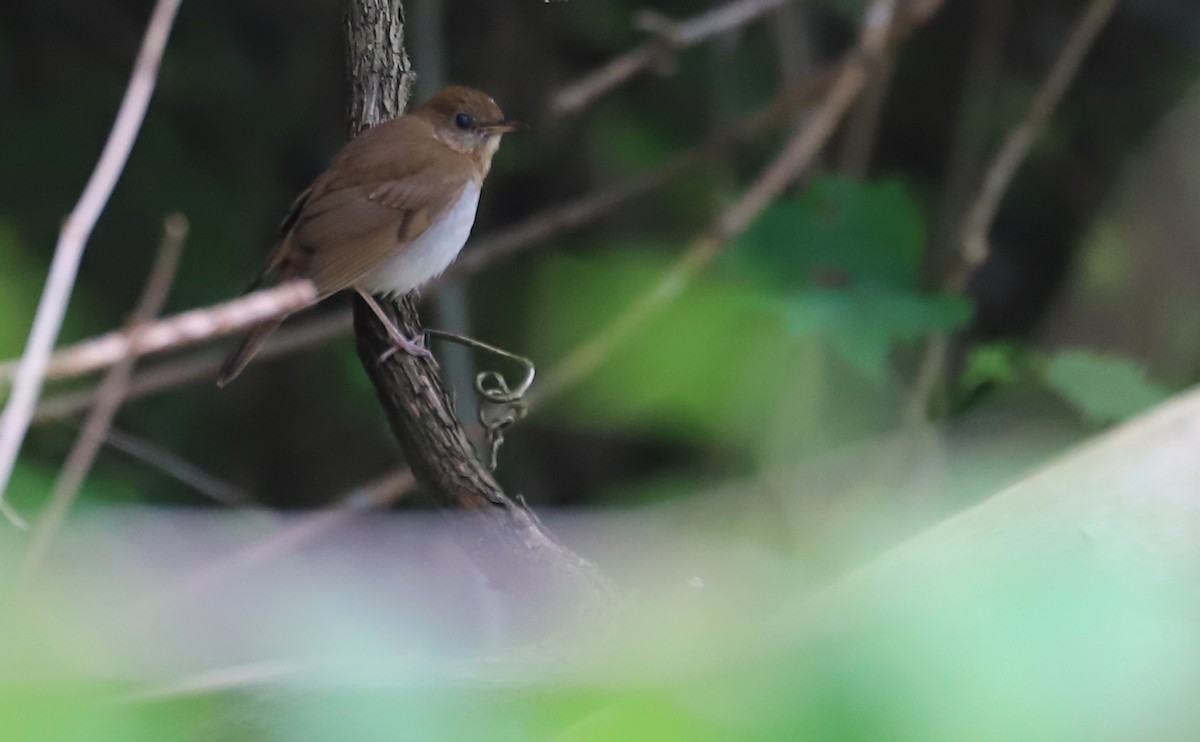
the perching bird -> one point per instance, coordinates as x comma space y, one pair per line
391, 212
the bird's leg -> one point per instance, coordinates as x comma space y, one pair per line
412, 346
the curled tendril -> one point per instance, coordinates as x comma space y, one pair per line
501, 406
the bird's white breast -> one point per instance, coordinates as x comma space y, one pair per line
424, 259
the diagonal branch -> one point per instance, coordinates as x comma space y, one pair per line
977, 225
668, 37
178, 468
73, 239
1016, 146
108, 401
181, 329
201, 366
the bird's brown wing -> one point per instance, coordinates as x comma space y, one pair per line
383, 190
346, 232
380, 194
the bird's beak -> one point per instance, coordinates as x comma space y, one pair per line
502, 127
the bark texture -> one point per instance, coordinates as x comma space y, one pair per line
506, 540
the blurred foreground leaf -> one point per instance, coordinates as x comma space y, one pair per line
716, 365
1103, 388
863, 325
843, 258
840, 230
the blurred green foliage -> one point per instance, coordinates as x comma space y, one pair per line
869, 233
1037, 648
867, 238
1103, 388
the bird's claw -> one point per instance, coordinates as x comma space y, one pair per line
413, 346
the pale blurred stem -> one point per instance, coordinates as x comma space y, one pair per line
72, 240
1123, 500
108, 399
973, 237
862, 125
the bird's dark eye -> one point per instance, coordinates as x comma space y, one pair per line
463, 121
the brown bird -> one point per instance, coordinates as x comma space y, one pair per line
391, 212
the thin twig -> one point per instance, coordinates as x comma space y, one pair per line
179, 469
172, 465
669, 36
973, 241
73, 239
972, 129
200, 366
108, 400
181, 329
978, 224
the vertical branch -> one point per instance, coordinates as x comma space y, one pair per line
381, 76
504, 537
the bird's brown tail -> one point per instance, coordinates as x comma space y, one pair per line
245, 350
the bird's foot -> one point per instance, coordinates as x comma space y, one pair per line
412, 346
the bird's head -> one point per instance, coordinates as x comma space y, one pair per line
467, 121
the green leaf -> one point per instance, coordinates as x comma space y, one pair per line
682, 371
862, 325
998, 363
1103, 388
870, 232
